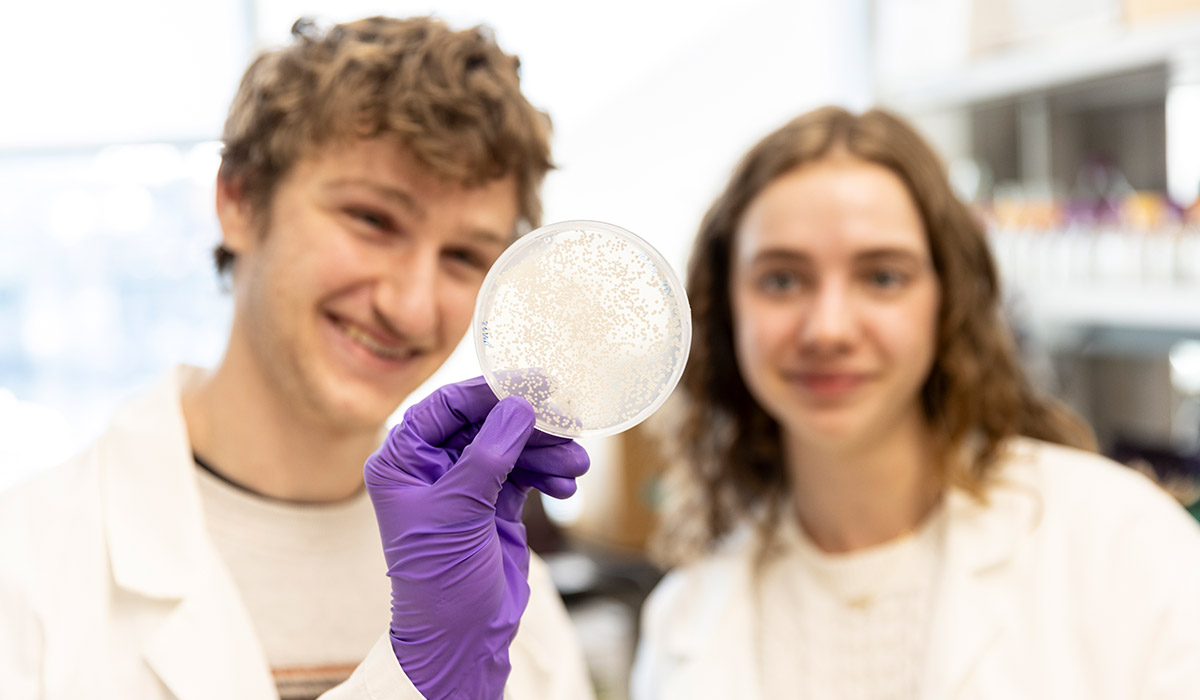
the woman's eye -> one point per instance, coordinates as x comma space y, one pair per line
886, 278
779, 282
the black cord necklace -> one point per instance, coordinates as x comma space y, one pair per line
200, 462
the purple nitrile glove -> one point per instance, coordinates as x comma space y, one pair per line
448, 486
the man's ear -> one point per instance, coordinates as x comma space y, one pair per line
235, 214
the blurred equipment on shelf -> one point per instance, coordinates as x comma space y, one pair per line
1176, 471
1147, 11
1175, 462
1184, 358
997, 25
1099, 191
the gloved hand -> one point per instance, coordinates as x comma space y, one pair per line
448, 486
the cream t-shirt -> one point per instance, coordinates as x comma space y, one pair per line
313, 579
851, 626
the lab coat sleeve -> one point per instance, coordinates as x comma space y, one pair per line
644, 678
378, 676
547, 660
20, 642
21, 635
1165, 546
687, 624
666, 620
1174, 658
1139, 579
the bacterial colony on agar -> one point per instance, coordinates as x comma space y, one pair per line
587, 322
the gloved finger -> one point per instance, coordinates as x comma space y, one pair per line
413, 452
574, 457
567, 459
559, 487
510, 503
543, 452
405, 461
542, 439
447, 410
484, 466
514, 547
456, 443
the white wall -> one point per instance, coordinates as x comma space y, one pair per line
82, 73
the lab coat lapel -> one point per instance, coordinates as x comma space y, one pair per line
152, 511
202, 650
198, 637
728, 667
980, 545
718, 644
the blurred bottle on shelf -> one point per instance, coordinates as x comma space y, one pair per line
1175, 462
1191, 215
1102, 231
1184, 359
1096, 197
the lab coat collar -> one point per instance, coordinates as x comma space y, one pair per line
982, 539
535, 655
155, 527
718, 644
159, 550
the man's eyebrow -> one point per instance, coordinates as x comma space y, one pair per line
488, 237
406, 200
394, 194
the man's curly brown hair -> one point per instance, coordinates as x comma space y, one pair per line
452, 98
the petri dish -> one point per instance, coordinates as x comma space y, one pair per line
587, 322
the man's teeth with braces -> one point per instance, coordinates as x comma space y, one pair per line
362, 338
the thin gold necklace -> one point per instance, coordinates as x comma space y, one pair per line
865, 600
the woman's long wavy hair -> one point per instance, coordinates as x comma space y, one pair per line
727, 458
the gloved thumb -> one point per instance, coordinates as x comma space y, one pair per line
484, 465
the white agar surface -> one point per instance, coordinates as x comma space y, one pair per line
588, 323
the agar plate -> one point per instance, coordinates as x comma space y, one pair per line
588, 322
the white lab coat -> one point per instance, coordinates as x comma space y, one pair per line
111, 588
1081, 580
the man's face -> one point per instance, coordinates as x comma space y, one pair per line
363, 281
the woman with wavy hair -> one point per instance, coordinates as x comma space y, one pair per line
869, 499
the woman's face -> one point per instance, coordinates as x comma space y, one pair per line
835, 304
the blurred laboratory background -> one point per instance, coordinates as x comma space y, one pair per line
1073, 126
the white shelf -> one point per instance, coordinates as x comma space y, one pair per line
1024, 70
1165, 307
